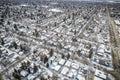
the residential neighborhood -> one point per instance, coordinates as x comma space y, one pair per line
59, 40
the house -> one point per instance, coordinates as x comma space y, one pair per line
52, 58
100, 74
70, 74
68, 63
97, 78
74, 72
75, 66
100, 54
57, 67
62, 61
117, 22
23, 73
50, 73
30, 77
80, 77
101, 50
64, 70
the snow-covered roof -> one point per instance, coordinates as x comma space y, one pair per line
24, 73
73, 48
75, 66
100, 74
101, 54
30, 77
80, 77
52, 58
50, 73
31, 65
55, 10
97, 78
62, 61
64, 70
101, 50
24, 5
68, 63
70, 74
117, 22
57, 67
73, 71
44, 6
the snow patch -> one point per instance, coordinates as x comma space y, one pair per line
55, 10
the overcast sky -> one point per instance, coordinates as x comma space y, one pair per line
67, 0
98, 0
90, 0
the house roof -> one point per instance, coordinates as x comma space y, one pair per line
97, 78
100, 74
24, 73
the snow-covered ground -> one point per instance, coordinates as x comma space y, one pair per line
55, 10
